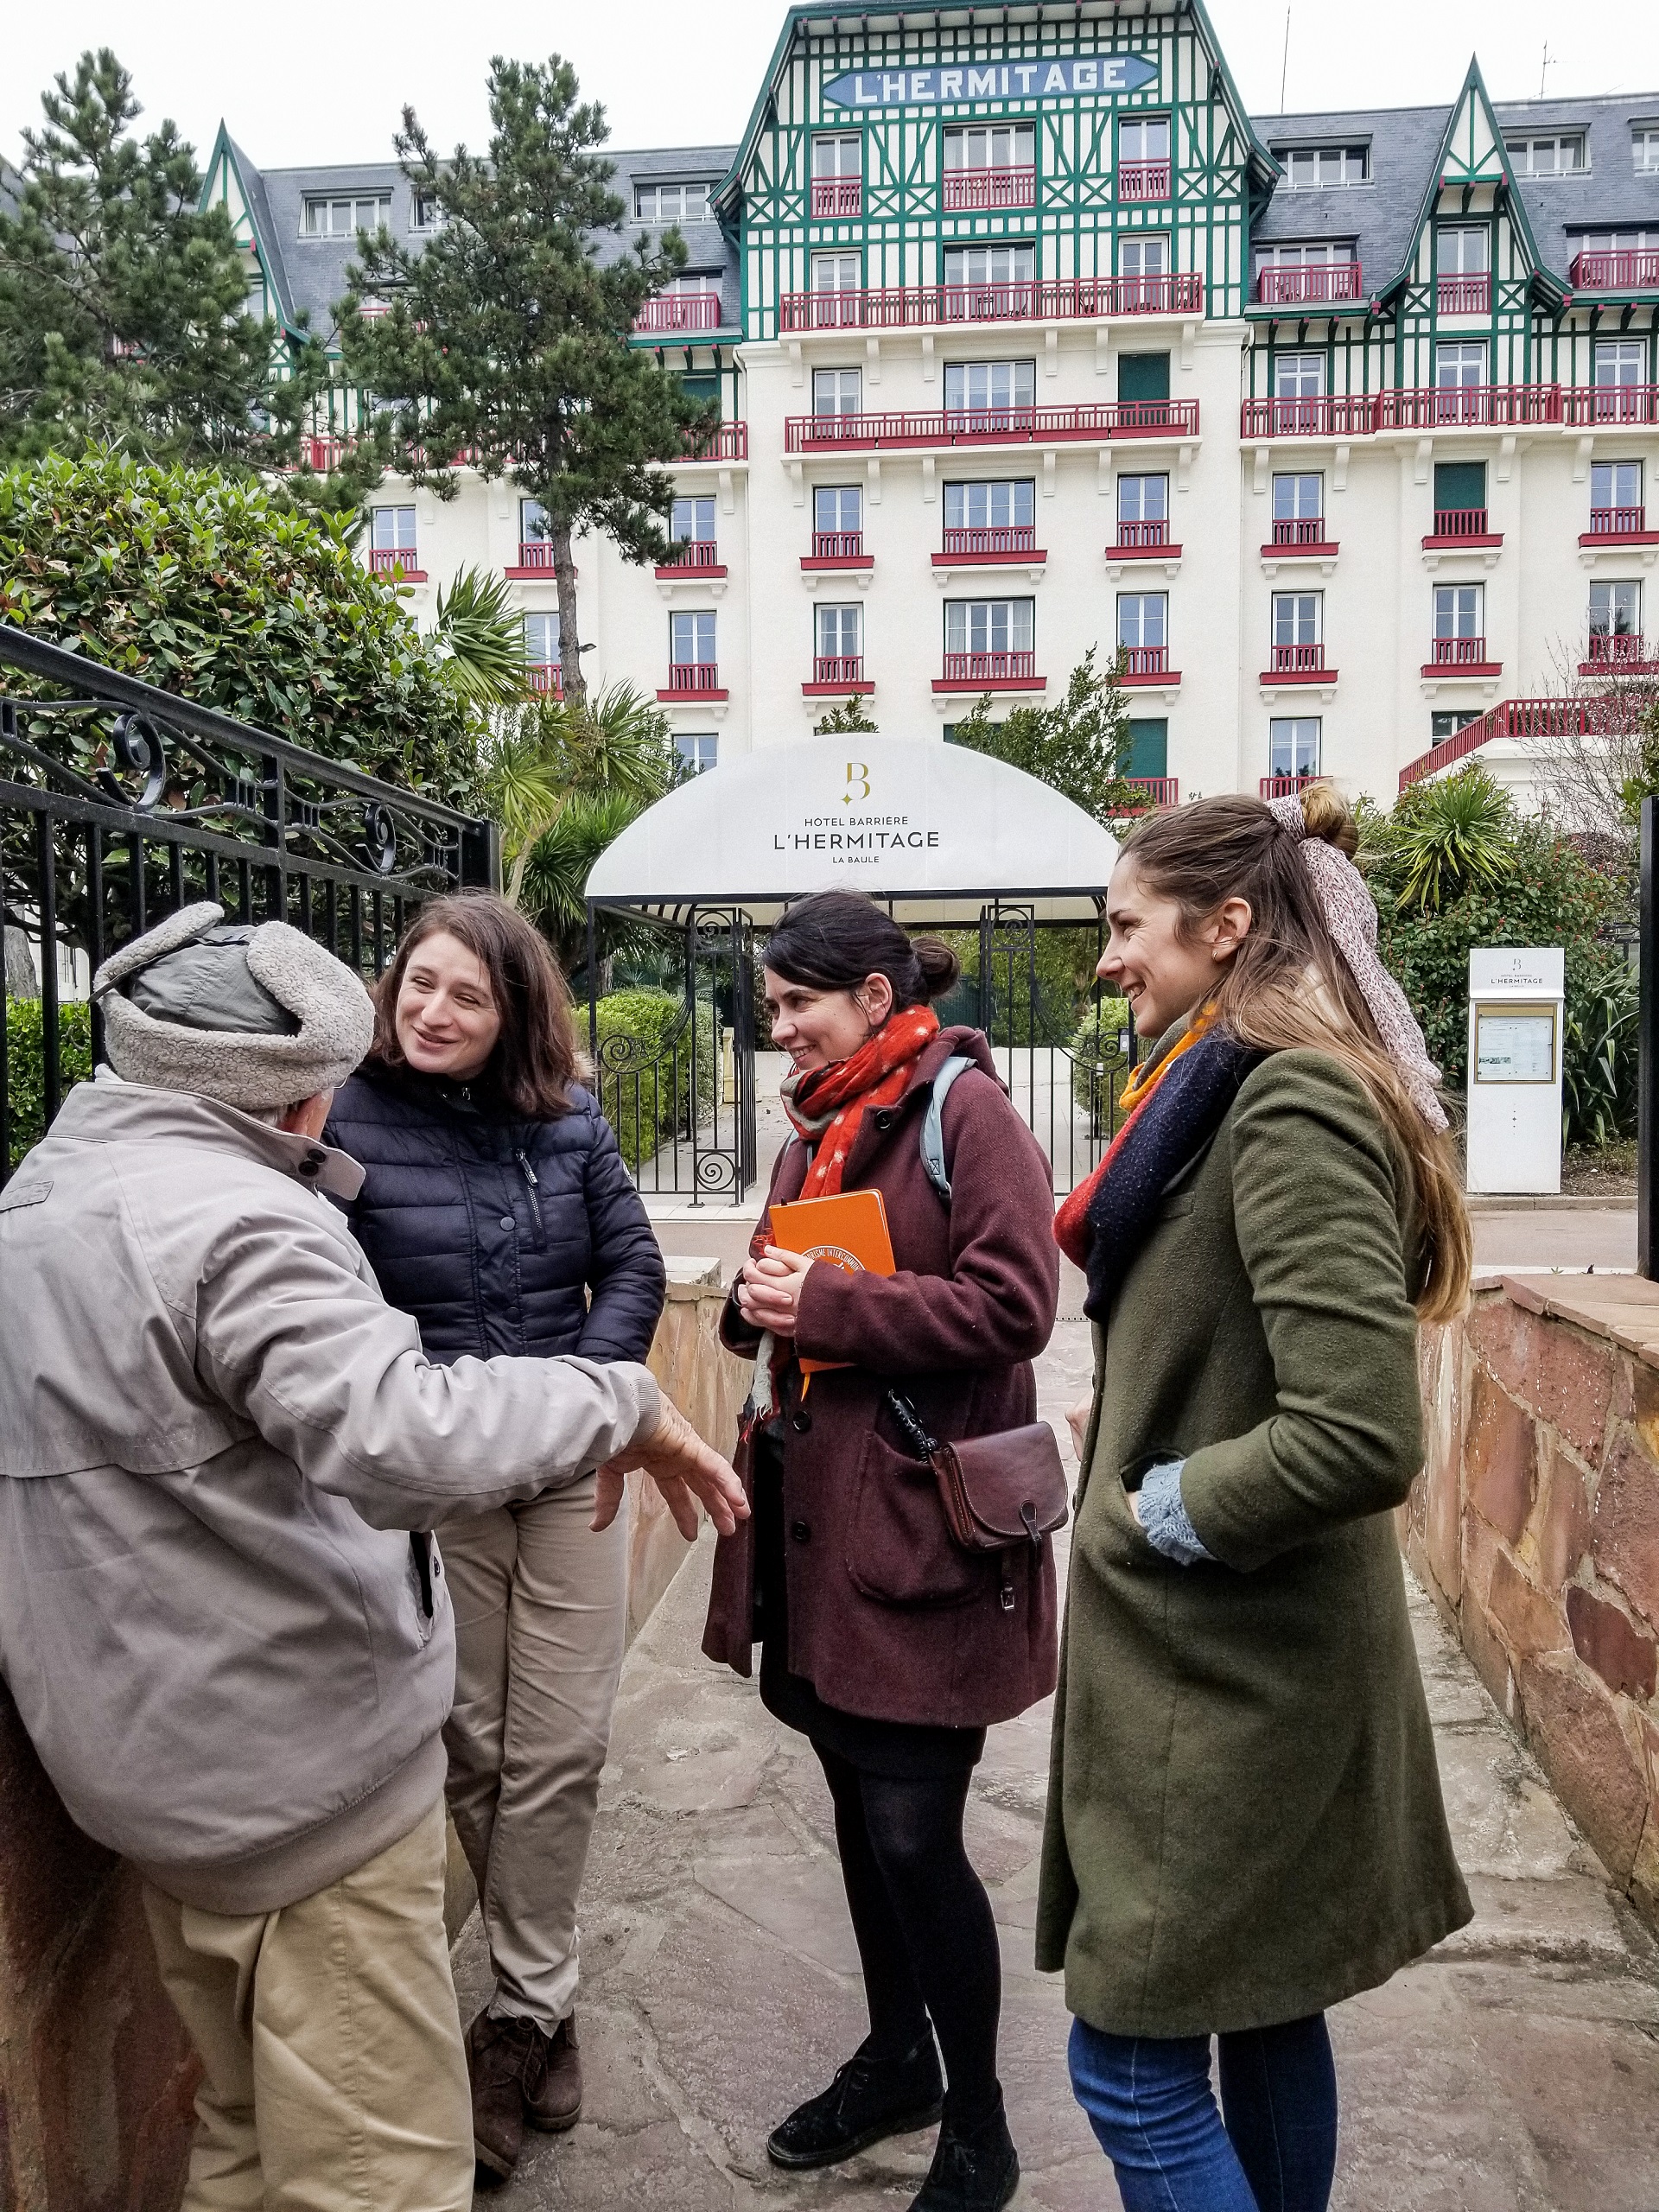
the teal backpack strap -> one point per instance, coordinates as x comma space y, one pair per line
933, 1124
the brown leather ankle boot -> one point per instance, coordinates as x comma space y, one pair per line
499, 2055
553, 2080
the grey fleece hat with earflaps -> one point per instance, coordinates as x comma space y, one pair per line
255, 1016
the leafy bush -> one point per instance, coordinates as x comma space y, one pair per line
26, 1065
1095, 1052
1065, 963
208, 587
644, 1079
1599, 1060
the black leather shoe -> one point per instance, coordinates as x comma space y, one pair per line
975, 2171
869, 2099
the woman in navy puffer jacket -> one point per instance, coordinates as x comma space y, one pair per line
497, 1211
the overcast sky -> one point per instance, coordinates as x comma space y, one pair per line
310, 85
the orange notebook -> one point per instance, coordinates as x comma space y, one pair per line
849, 1231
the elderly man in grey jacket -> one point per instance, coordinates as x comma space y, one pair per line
222, 1618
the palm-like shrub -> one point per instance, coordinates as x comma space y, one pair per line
1454, 835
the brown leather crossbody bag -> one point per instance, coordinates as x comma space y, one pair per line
997, 1491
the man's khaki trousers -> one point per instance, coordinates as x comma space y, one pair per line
541, 1611
334, 2079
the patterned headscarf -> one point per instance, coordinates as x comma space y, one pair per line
1350, 916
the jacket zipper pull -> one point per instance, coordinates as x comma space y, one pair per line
533, 1185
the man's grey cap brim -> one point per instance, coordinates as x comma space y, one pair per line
336, 1018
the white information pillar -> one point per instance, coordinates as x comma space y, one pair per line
1517, 997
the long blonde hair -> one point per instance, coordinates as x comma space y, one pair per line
1288, 987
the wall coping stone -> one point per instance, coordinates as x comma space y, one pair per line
1624, 1309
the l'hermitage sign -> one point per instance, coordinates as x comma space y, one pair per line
992, 80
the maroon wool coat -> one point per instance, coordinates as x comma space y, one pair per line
887, 1617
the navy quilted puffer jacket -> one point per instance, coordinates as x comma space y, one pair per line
498, 1235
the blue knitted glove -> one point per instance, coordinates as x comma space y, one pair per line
1163, 1517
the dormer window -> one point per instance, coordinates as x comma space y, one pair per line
425, 213
345, 217
1560, 153
677, 202
1645, 149
1308, 168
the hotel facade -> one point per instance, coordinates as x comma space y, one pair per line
1027, 338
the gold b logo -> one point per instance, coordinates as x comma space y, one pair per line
857, 773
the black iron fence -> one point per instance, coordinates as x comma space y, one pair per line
120, 803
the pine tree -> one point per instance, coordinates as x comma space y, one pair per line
505, 341
124, 306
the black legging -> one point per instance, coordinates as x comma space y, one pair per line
927, 1934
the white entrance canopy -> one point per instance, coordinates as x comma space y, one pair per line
934, 830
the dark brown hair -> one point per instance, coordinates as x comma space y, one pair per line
1289, 985
534, 1060
833, 940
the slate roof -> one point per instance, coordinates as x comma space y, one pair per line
1381, 215
309, 273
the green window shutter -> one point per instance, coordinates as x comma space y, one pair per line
1149, 747
1460, 485
1143, 376
702, 388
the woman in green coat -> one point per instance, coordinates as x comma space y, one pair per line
1245, 1822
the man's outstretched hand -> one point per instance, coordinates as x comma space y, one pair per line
683, 1469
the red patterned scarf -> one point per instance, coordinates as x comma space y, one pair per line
831, 1103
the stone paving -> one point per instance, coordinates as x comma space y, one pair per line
1515, 2070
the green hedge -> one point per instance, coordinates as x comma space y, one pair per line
648, 1096
26, 1065
1090, 1041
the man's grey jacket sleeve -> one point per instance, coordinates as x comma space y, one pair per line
290, 1334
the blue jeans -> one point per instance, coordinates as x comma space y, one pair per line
1150, 2104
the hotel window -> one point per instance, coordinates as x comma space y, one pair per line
533, 522
1309, 167
691, 640
1616, 495
837, 391
839, 156
1644, 147
1619, 361
1460, 365
1559, 155
1460, 611
1143, 138
967, 267
1148, 749
1462, 250
1299, 498
1145, 253
988, 387
542, 640
1298, 376
837, 272
677, 202
1010, 505
698, 752
425, 212
990, 626
1143, 510
990, 146
1308, 254
840, 637
1143, 376
344, 219
1298, 629
693, 521
1294, 745
838, 512
1616, 241
1616, 610
1143, 620
392, 530
1440, 727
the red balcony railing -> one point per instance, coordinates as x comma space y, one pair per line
1610, 713
837, 196
1143, 533
1286, 786
1348, 415
1618, 649
691, 555
990, 667
1613, 402
1465, 295
384, 558
1627, 271
1459, 652
1143, 180
1011, 187
1297, 660
1460, 521
724, 442
1159, 791
536, 553
1101, 419
1314, 282
992, 538
693, 676
837, 545
1618, 522
1298, 530
680, 311
547, 676
838, 667
1428, 407
1055, 299
1145, 660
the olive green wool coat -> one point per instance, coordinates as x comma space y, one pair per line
1244, 1817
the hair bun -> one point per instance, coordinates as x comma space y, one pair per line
939, 965
1327, 815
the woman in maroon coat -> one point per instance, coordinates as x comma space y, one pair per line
887, 1645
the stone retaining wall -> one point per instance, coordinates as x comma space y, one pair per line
96, 2078
1535, 1526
